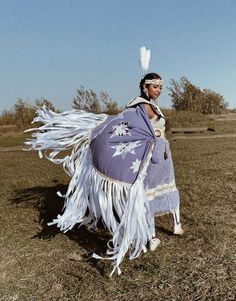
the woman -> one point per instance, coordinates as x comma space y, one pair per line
121, 170
164, 198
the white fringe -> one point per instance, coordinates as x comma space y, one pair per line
89, 191
61, 132
91, 195
134, 231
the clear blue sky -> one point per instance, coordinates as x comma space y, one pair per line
48, 48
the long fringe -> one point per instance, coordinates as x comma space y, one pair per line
100, 197
61, 132
91, 195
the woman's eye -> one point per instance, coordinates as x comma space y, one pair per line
156, 87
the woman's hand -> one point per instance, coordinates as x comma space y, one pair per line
165, 155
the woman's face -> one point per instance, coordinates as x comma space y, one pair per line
154, 91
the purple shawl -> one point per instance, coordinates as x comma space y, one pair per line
121, 145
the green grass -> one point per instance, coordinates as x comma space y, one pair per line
40, 263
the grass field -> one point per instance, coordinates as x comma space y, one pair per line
12, 139
40, 263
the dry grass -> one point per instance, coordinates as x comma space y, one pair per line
188, 118
39, 263
12, 139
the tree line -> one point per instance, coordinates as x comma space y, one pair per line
22, 114
184, 97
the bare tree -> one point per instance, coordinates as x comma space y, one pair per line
89, 101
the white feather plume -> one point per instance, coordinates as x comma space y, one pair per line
144, 58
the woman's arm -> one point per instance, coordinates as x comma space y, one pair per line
149, 110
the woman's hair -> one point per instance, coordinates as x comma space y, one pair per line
147, 76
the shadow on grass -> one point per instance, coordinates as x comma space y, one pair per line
48, 204
46, 201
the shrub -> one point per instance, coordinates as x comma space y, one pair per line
185, 96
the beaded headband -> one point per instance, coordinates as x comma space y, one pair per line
157, 82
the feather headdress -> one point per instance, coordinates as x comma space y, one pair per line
144, 58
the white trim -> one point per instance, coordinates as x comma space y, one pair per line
160, 189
